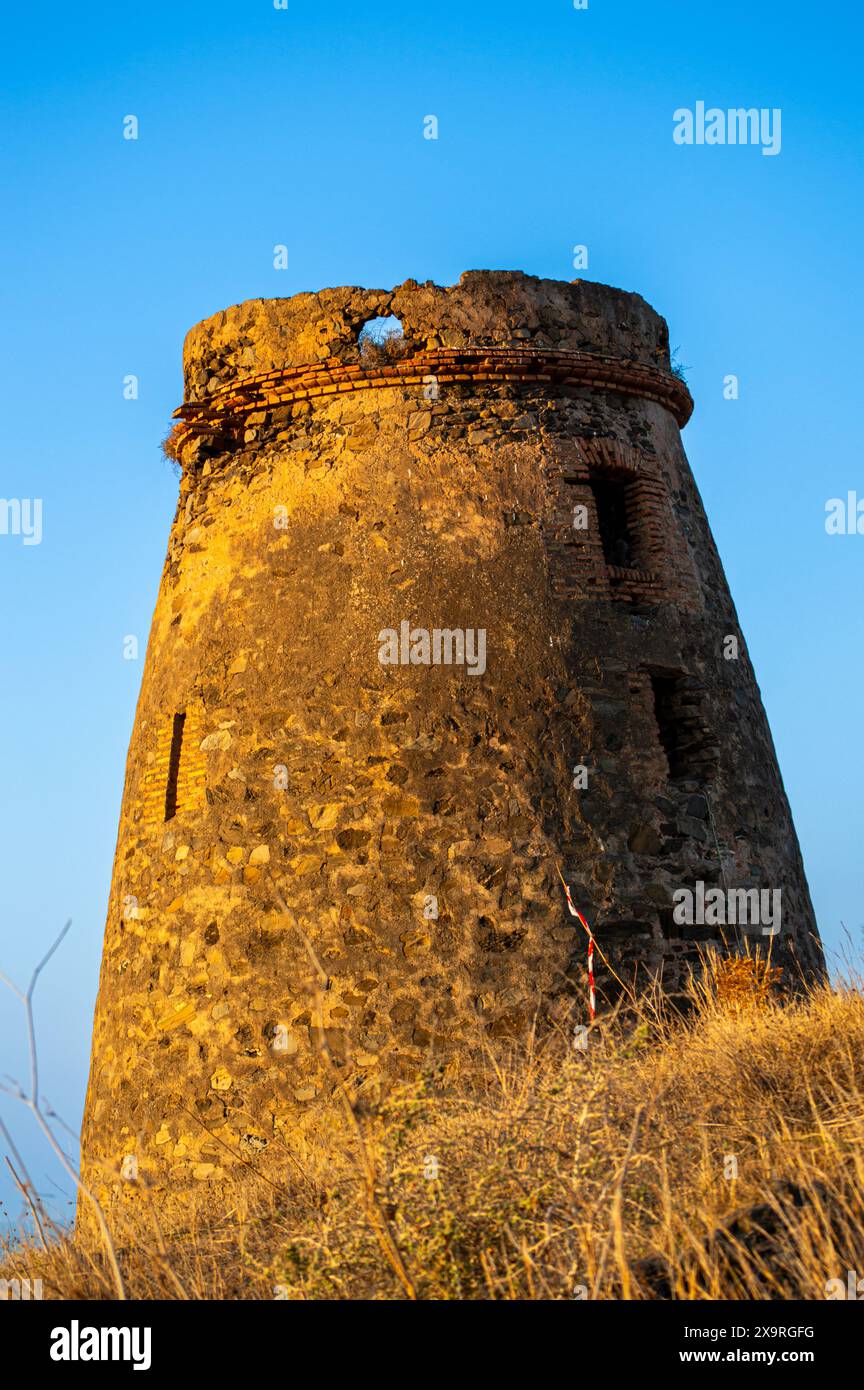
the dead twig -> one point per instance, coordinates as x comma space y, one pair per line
31, 1102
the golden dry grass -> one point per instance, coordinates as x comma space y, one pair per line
384, 350
721, 1156
171, 442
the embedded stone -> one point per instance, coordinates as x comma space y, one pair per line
221, 739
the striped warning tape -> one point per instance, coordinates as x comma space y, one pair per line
574, 912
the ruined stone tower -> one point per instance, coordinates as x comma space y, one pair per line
435, 620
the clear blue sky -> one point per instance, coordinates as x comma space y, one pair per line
304, 127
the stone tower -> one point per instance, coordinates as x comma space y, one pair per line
436, 620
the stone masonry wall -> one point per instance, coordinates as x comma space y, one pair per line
412, 817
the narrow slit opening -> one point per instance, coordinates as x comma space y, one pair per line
174, 765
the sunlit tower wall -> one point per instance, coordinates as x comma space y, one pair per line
504, 486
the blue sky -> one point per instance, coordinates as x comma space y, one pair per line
304, 126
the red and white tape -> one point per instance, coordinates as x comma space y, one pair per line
574, 912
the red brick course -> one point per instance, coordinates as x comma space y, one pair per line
227, 405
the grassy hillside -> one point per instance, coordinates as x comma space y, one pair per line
718, 1156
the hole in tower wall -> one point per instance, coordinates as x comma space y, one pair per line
174, 764
610, 500
684, 735
378, 330
382, 339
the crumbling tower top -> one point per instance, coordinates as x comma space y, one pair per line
493, 328
485, 308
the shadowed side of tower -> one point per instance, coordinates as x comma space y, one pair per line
433, 622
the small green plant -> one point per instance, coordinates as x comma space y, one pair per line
677, 367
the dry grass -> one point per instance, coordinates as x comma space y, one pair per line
392, 347
717, 1157
742, 982
171, 443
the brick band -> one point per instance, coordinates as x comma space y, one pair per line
474, 364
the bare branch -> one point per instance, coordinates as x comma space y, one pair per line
23, 1188
32, 1104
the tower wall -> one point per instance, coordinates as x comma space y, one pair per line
412, 817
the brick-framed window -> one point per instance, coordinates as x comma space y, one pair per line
612, 533
621, 502
609, 491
